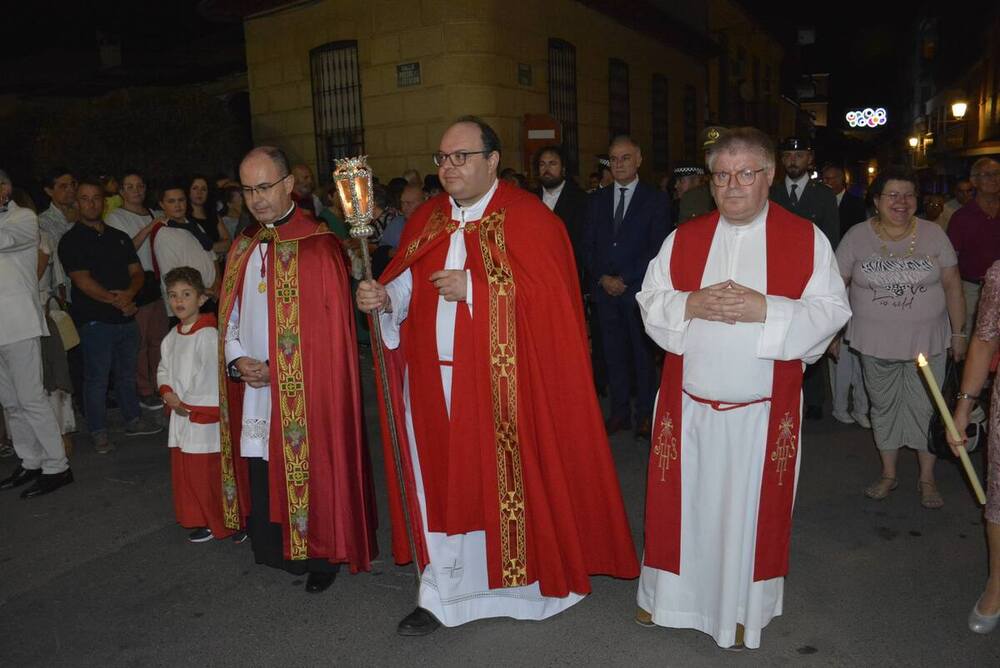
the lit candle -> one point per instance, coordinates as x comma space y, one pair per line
949, 424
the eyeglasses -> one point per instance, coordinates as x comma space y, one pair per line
987, 175
457, 158
895, 197
261, 189
744, 177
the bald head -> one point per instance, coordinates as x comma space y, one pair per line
410, 199
304, 182
267, 183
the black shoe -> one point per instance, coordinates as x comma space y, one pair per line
239, 537
19, 477
151, 402
814, 412
200, 535
418, 623
616, 424
317, 582
48, 482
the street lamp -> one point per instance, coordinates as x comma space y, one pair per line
958, 110
913, 142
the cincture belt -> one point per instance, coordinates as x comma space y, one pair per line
723, 405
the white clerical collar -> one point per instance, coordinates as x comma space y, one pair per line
282, 218
801, 181
464, 214
757, 222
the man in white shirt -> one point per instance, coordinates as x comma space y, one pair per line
136, 219
740, 300
60, 186
33, 428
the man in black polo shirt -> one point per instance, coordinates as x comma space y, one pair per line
106, 276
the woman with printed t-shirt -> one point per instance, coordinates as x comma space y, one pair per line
906, 296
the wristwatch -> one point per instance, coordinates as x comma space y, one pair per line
232, 371
966, 395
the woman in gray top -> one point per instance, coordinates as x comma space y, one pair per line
906, 299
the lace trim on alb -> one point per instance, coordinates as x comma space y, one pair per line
256, 428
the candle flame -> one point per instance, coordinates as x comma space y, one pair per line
921, 360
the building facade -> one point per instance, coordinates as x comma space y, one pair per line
386, 77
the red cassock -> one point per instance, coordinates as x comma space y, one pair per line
320, 474
524, 455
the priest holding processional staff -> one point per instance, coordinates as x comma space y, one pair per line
508, 487
741, 299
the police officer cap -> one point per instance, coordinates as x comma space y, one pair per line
688, 169
795, 144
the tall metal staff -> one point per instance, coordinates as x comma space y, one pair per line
354, 186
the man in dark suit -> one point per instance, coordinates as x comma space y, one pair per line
626, 225
850, 208
568, 201
814, 202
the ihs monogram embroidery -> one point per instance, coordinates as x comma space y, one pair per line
784, 448
666, 446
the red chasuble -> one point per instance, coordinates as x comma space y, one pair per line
524, 456
789, 244
320, 474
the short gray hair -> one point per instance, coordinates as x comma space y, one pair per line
742, 139
979, 164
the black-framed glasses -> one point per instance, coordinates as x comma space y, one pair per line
744, 177
457, 158
261, 189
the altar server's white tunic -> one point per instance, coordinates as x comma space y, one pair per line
189, 366
454, 586
723, 452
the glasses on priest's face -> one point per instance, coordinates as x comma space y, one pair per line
456, 158
261, 189
744, 177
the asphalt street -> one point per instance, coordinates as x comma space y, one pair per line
99, 574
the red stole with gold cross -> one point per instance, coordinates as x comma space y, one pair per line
789, 247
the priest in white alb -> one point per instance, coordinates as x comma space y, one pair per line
741, 300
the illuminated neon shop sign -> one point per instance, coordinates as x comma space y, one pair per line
866, 118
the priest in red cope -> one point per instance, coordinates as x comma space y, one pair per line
295, 468
741, 299
511, 486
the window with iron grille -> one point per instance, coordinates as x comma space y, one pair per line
661, 123
619, 116
562, 99
690, 122
336, 85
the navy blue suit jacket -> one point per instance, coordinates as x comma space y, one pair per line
628, 253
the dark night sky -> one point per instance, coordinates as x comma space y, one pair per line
863, 47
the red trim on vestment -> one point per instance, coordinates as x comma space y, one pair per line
789, 244
204, 320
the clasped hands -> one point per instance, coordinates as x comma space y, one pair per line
727, 302
124, 301
253, 372
613, 285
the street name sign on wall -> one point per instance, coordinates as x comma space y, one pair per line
407, 74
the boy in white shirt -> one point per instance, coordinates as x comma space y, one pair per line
188, 380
